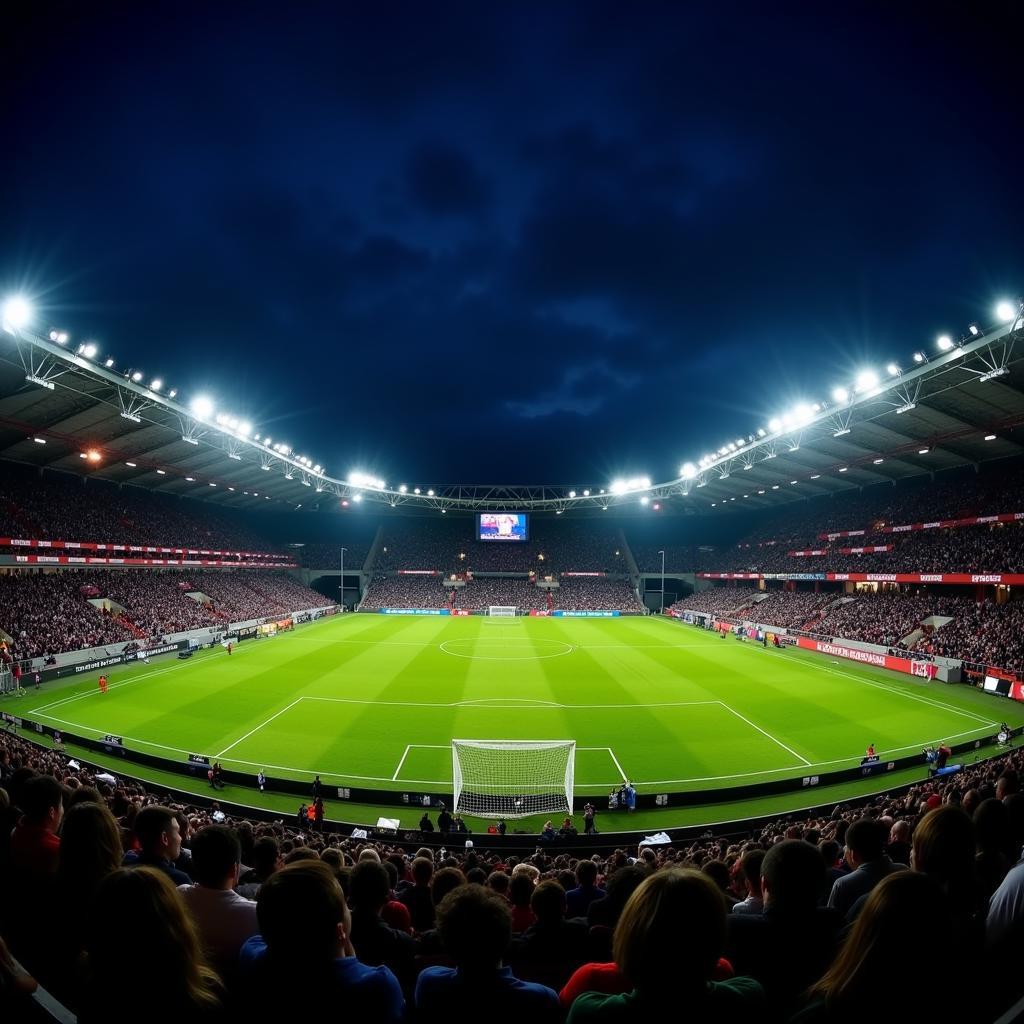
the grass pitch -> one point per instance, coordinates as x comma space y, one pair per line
374, 701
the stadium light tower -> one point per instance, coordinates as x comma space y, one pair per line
662, 553
341, 582
17, 312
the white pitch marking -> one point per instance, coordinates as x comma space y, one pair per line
258, 727
764, 732
400, 763
611, 754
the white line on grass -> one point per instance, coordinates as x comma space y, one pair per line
611, 754
590, 785
408, 747
498, 705
764, 732
258, 727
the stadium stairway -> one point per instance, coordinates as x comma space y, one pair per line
139, 634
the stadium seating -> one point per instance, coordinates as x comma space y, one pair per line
965, 833
49, 613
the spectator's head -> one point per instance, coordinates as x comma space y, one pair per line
266, 857
475, 926
882, 946
422, 870
865, 842
792, 876
498, 881
143, 946
216, 855
718, 872
548, 902
303, 916
90, 847
750, 871
586, 873
42, 802
158, 833
520, 890
369, 886
621, 884
944, 846
992, 828
443, 882
671, 932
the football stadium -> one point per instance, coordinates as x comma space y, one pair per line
297, 717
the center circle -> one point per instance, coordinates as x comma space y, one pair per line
501, 648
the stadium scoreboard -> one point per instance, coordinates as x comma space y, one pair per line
503, 526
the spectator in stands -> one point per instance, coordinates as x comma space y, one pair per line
667, 944
520, 894
553, 946
417, 897
143, 953
868, 863
750, 875
375, 942
892, 938
303, 958
476, 927
788, 946
35, 844
266, 859
223, 919
944, 849
159, 842
587, 890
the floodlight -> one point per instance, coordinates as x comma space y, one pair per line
803, 414
109, 363
893, 370
172, 393
137, 376
920, 357
572, 494
357, 497
402, 488
815, 476
202, 407
245, 428
878, 462
974, 329
843, 469
644, 500
688, 471
88, 350
39, 440
945, 342
618, 486
430, 492
774, 424
190, 479
17, 312
760, 431
586, 494
132, 464
1005, 312
740, 443
92, 455
415, 490
990, 437
923, 451
866, 380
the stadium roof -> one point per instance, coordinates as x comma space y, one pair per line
63, 409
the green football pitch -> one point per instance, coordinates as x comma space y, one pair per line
373, 701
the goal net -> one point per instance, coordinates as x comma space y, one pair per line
513, 778
501, 610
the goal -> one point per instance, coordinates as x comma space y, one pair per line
513, 778
502, 610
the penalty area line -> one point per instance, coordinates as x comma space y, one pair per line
764, 732
277, 714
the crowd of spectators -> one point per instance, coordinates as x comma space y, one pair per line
448, 545
482, 592
717, 600
59, 506
116, 897
318, 555
983, 633
888, 616
49, 613
791, 609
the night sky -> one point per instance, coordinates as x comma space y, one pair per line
511, 242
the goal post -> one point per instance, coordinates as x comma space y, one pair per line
502, 610
513, 778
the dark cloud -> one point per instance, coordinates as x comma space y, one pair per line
445, 182
537, 243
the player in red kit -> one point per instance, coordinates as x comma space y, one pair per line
103, 684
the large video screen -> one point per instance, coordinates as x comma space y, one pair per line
503, 526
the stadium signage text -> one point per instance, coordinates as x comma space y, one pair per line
561, 613
1006, 579
415, 611
13, 542
910, 666
942, 524
190, 562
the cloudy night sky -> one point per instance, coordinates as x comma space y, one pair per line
518, 243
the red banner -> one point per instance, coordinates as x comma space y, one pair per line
194, 562
910, 666
13, 542
1007, 579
